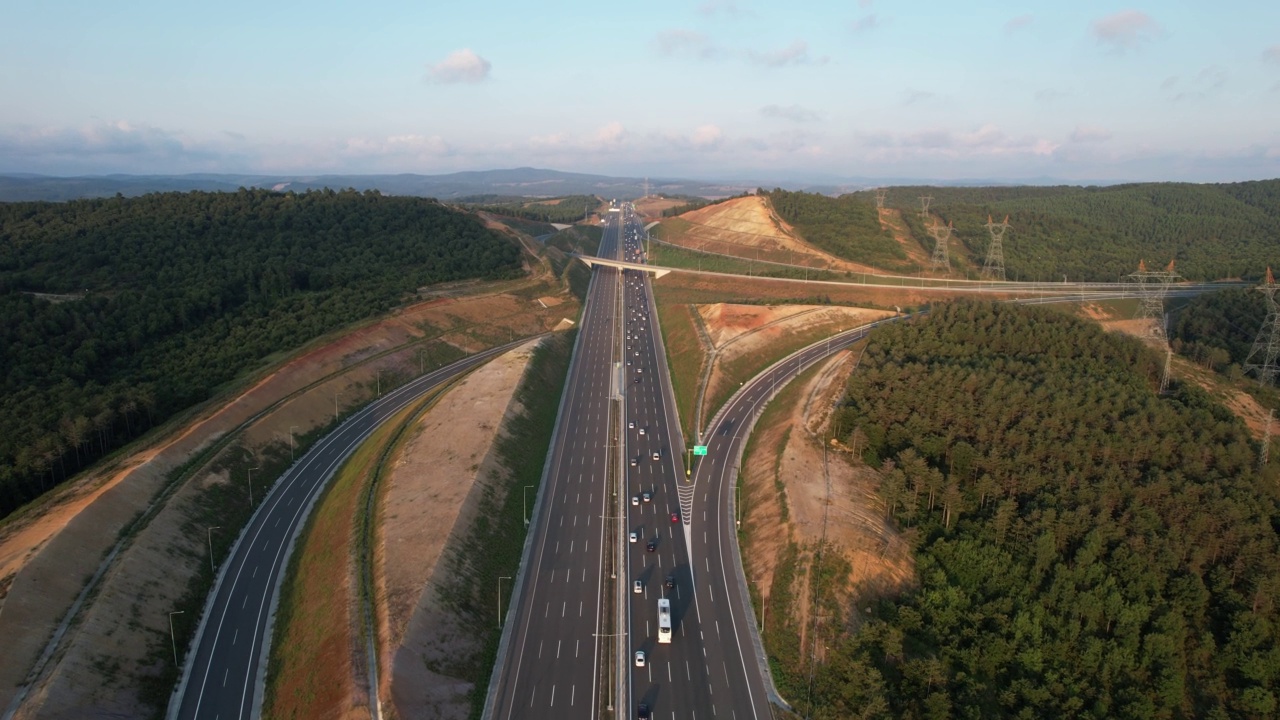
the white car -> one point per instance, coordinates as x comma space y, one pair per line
631, 425
641, 431
635, 499
634, 536
637, 587
639, 658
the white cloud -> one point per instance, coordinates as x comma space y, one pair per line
866, 23
1088, 134
461, 66
794, 113
1125, 30
1205, 84
685, 42
1272, 54
797, 53
1017, 23
706, 136
913, 97
715, 7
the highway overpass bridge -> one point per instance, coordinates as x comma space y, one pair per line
657, 272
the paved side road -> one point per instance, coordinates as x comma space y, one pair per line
224, 673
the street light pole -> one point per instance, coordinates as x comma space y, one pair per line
291, 429
500, 579
335, 405
526, 504
251, 485
211, 567
172, 639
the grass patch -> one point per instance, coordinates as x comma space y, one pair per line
745, 367
681, 257
685, 357
308, 671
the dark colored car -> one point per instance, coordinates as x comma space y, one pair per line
651, 545
671, 581
642, 712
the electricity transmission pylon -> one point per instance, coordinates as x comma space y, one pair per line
881, 194
993, 268
1264, 458
924, 206
1168, 361
941, 239
1266, 346
1153, 286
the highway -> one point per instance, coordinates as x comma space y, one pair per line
222, 673
554, 640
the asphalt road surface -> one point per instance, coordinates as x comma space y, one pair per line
221, 673
558, 610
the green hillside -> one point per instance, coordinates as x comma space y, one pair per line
154, 302
1083, 233
1085, 547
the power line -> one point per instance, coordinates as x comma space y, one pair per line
993, 268
941, 239
881, 193
924, 206
1153, 286
1266, 346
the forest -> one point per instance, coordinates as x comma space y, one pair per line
117, 313
568, 209
1085, 547
846, 227
1210, 231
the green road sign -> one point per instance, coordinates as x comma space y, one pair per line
699, 449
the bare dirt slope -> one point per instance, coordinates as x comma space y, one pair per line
742, 227
891, 218
796, 493
49, 554
432, 490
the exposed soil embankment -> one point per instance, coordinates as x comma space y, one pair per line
47, 555
810, 514
431, 491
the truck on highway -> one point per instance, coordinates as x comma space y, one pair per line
664, 621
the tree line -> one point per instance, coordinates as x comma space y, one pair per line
1211, 231
1085, 547
117, 313
565, 210
846, 227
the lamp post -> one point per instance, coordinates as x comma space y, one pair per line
172, 638
251, 485
336, 395
211, 567
291, 429
526, 504
500, 579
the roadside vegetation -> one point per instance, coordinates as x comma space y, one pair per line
846, 227
1085, 546
564, 210
680, 257
318, 641
686, 358
119, 313
1213, 231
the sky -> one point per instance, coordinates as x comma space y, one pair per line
811, 91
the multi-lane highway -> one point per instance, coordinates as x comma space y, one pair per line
554, 641
222, 674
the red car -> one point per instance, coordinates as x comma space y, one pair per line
675, 518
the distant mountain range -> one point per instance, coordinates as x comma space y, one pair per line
516, 181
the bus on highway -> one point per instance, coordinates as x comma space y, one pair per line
664, 620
